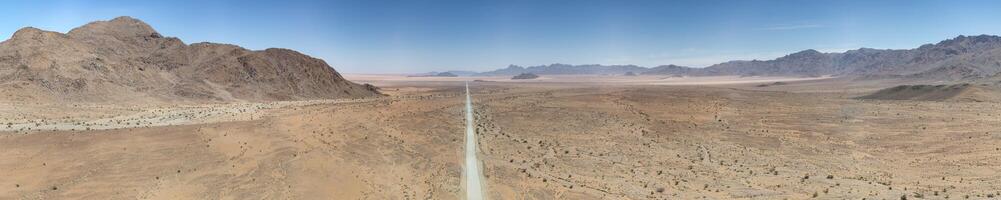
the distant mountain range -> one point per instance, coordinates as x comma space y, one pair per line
557, 69
960, 58
445, 74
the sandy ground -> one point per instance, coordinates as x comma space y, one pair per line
403, 147
722, 143
547, 139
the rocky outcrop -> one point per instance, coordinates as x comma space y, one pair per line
124, 59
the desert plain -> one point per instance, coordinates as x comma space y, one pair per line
557, 137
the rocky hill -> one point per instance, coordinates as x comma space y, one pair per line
125, 60
525, 76
955, 92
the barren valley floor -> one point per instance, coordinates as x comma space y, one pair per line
537, 140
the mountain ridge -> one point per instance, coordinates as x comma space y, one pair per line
960, 58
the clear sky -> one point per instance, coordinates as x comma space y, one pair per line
369, 36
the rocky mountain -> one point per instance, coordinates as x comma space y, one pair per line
565, 69
126, 60
808, 62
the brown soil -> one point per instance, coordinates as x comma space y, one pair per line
538, 140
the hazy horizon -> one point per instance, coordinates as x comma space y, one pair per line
410, 37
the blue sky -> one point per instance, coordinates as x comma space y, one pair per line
419, 36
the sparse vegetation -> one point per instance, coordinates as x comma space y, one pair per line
667, 148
